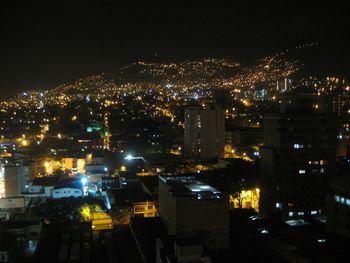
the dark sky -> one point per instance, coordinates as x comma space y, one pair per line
44, 43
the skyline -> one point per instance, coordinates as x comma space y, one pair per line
183, 133
47, 44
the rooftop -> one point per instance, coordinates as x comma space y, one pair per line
190, 187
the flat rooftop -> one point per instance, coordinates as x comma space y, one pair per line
188, 186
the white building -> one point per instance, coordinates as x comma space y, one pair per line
66, 192
204, 132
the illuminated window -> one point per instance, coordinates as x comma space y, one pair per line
298, 146
323, 162
342, 200
290, 214
300, 213
301, 171
279, 205
314, 212
322, 170
337, 198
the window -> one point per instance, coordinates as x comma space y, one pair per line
337, 198
290, 214
301, 171
279, 205
298, 146
139, 209
322, 170
314, 212
300, 213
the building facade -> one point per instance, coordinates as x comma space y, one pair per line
338, 207
192, 209
298, 160
204, 132
66, 192
15, 178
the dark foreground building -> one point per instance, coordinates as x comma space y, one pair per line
298, 159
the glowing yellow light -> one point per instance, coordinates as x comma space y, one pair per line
249, 198
24, 143
85, 213
59, 136
81, 165
123, 168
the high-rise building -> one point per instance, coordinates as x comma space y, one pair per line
192, 209
338, 207
2, 180
297, 159
16, 176
204, 132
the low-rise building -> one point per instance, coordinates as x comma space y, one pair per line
65, 192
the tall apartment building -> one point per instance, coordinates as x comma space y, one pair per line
297, 159
338, 207
204, 132
16, 175
192, 209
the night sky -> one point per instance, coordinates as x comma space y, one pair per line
45, 43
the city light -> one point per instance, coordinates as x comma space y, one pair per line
129, 157
262, 120
83, 181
